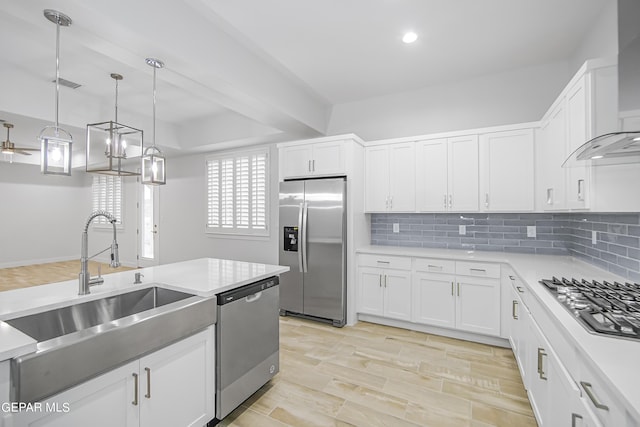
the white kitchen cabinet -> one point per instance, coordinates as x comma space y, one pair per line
586, 108
315, 159
390, 178
447, 174
384, 286
457, 301
519, 333
506, 171
180, 390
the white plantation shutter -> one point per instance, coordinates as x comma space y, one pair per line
237, 191
107, 196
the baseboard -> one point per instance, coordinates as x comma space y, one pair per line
435, 330
26, 262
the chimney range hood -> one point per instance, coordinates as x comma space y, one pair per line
622, 146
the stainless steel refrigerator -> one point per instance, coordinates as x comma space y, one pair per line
313, 244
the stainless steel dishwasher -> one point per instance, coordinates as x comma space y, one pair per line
247, 342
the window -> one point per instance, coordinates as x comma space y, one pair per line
107, 196
237, 191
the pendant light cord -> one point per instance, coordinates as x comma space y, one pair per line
57, 72
153, 136
116, 100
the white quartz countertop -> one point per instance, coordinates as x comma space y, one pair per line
205, 277
617, 359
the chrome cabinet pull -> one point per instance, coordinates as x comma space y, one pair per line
541, 354
148, 395
385, 280
450, 201
313, 165
391, 202
383, 262
445, 201
386, 202
512, 278
135, 390
574, 418
580, 190
452, 293
486, 200
520, 289
435, 267
380, 280
588, 388
458, 288
549, 196
479, 270
513, 309
309, 166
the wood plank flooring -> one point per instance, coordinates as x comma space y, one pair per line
365, 375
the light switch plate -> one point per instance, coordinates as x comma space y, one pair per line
396, 227
594, 237
462, 229
531, 231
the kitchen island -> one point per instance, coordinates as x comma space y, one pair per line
204, 278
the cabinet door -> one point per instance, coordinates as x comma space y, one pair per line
328, 158
371, 291
397, 294
578, 132
177, 383
478, 305
551, 155
376, 178
105, 401
402, 177
434, 299
506, 170
295, 161
463, 173
431, 175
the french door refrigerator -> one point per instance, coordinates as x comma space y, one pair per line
313, 245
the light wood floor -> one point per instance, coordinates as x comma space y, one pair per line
366, 375
40, 274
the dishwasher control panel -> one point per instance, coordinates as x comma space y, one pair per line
290, 239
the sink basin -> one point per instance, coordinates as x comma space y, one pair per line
62, 321
81, 341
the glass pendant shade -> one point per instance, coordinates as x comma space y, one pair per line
153, 167
113, 149
55, 155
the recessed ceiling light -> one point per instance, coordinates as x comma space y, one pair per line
409, 37
596, 157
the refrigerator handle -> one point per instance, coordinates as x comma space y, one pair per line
300, 245
303, 242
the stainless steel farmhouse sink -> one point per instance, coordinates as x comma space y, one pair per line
81, 341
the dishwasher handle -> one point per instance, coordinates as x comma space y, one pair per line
254, 297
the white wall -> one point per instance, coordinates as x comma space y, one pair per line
601, 39
183, 217
516, 96
40, 215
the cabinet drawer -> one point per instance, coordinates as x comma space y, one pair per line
599, 398
478, 269
429, 265
385, 261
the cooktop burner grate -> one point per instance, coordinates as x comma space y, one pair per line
610, 308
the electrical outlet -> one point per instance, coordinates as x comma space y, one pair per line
396, 227
594, 237
531, 231
462, 229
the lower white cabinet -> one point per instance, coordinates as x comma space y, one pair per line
173, 386
385, 292
434, 299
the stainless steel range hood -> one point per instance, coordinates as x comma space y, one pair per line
622, 146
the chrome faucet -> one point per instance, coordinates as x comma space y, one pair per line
84, 278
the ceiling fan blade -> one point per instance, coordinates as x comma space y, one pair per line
21, 151
26, 149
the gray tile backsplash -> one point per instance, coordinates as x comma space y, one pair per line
617, 247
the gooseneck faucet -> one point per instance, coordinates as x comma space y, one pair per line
84, 278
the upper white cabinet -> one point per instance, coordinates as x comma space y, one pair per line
447, 174
316, 159
585, 108
506, 171
390, 178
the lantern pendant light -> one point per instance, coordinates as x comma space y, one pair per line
55, 142
113, 148
153, 161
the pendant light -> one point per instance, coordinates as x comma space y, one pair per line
153, 161
55, 142
113, 148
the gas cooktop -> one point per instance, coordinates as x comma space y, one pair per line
602, 307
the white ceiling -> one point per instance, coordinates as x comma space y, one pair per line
255, 70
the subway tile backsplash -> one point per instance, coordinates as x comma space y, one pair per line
617, 247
